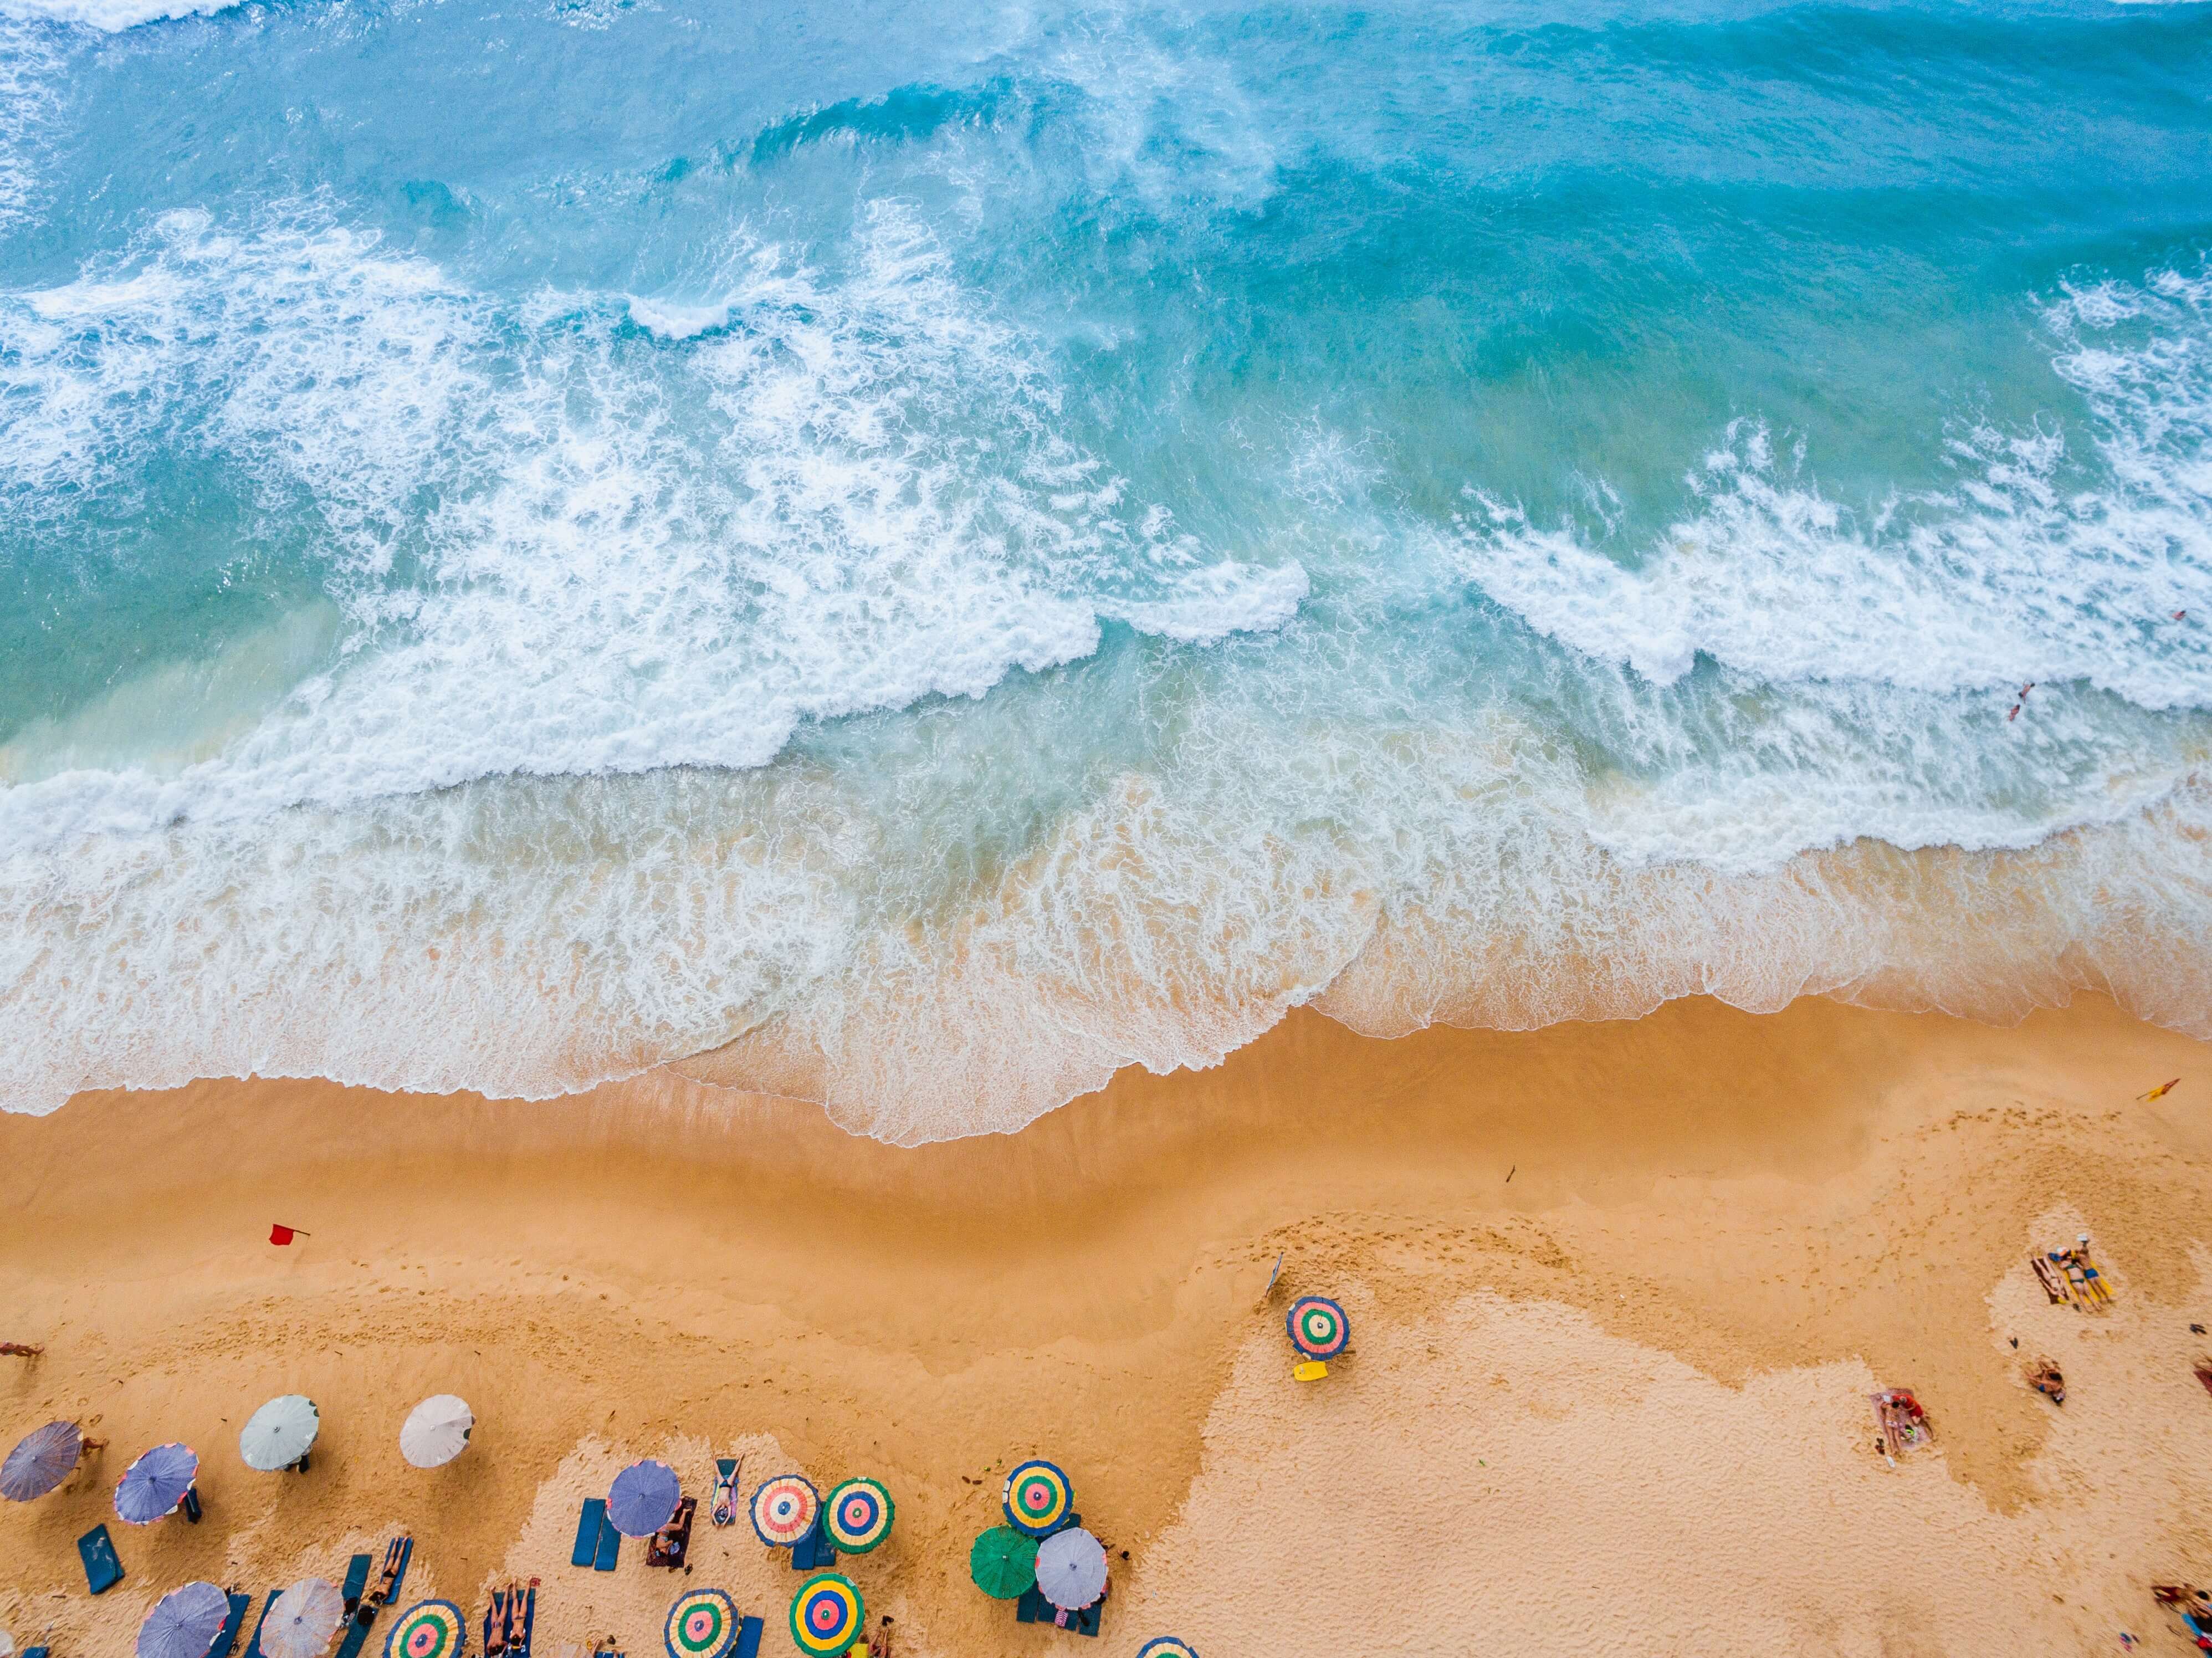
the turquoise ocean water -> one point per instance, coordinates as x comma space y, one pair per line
957, 548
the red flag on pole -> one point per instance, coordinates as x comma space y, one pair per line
283, 1235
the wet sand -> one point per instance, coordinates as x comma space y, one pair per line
1616, 1397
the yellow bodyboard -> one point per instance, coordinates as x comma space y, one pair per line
1312, 1371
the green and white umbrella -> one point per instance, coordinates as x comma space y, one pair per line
280, 1433
436, 1430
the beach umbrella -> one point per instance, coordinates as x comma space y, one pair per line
280, 1433
643, 1498
153, 1486
302, 1620
428, 1629
41, 1461
858, 1516
184, 1622
702, 1625
1036, 1498
1003, 1562
785, 1510
1071, 1569
436, 1430
826, 1615
1166, 1646
1317, 1326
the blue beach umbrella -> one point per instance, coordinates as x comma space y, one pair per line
153, 1486
184, 1622
644, 1498
41, 1461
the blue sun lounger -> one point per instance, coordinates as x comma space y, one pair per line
589, 1524
253, 1646
356, 1579
227, 1638
814, 1552
357, 1627
1034, 1609
749, 1637
102, 1570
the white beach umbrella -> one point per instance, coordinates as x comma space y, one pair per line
436, 1430
280, 1433
303, 1620
1071, 1568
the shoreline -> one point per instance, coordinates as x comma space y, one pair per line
661, 1262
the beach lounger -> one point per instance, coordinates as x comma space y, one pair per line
676, 1550
749, 1637
37, 1652
227, 1636
521, 1647
814, 1552
588, 1532
1034, 1609
396, 1554
253, 1646
356, 1579
610, 1549
725, 1509
102, 1570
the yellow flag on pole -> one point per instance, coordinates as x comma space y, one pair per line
2159, 1091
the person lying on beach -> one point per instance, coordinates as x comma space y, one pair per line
496, 1624
21, 1348
879, 1643
387, 1580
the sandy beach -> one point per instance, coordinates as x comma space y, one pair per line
1618, 1295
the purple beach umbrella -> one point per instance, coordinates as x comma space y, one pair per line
644, 1498
184, 1622
153, 1486
41, 1463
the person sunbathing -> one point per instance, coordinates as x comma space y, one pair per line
387, 1580
495, 1625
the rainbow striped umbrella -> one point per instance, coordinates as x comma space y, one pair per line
151, 1487
858, 1516
428, 1629
826, 1615
702, 1625
1166, 1646
1036, 1498
785, 1510
1318, 1326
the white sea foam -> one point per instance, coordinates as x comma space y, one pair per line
2017, 573
541, 824
112, 16
880, 508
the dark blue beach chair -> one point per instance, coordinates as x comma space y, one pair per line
814, 1552
253, 1646
1034, 1609
357, 1632
357, 1626
610, 1549
749, 1637
227, 1636
588, 1532
102, 1570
